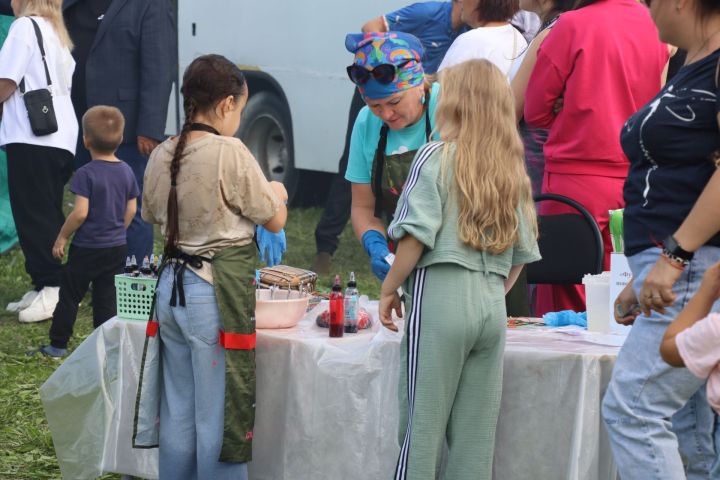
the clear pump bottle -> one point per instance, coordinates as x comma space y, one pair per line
351, 305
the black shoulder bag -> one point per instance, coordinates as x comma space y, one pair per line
39, 102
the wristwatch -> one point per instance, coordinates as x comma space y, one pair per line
675, 252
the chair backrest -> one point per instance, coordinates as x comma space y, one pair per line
571, 245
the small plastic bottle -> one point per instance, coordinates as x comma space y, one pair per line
134, 266
145, 270
337, 309
351, 305
128, 267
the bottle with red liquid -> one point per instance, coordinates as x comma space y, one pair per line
337, 309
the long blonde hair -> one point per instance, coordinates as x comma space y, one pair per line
476, 114
50, 10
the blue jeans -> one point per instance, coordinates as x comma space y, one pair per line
645, 392
139, 233
193, 384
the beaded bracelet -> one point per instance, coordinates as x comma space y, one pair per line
674, 262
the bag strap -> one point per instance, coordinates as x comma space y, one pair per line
379, 165
428, 125
39, 37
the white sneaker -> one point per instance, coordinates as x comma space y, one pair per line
23, 303
42, 307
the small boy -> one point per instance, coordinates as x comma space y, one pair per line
693, 339
105, 202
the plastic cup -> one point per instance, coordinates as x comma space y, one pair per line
597, 301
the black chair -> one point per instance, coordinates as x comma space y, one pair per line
571, 245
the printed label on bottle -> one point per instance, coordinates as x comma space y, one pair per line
351, 305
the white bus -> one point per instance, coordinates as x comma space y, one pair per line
293, 54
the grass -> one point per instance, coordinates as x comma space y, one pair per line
350, 256
26, 450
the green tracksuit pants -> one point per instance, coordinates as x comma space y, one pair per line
451, 372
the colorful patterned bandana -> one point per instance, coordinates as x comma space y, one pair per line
372, 49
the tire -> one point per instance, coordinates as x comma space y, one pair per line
266, 130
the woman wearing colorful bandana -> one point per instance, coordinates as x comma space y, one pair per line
396, 122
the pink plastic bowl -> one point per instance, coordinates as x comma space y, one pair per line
281, 312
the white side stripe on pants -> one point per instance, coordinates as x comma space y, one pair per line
413, 346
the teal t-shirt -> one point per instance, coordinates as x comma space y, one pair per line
366, 135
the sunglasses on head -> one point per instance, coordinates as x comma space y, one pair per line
383, 73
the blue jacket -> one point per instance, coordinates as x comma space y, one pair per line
132, 63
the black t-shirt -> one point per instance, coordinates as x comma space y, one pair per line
83, 20
676, 63
670, 143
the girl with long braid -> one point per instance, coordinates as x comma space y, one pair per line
207, 193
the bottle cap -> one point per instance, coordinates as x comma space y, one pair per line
352, 283
336, 286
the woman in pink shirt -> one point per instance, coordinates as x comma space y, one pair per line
604, 61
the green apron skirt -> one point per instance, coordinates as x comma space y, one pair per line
233, 280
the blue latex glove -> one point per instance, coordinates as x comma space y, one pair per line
271, 244
565, 318
377, 248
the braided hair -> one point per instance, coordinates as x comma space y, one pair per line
206, 81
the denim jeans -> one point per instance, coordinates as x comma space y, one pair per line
193, 384
645, 392
139, 232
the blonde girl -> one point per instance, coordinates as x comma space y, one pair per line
38, 165
465, 226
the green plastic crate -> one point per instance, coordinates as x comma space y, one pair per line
134, 296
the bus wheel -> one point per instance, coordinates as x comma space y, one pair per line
265, 129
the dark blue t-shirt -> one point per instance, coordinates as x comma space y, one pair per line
670, 143
431, 23
108, 186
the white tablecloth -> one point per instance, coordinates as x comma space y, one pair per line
550, 425
327, 408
